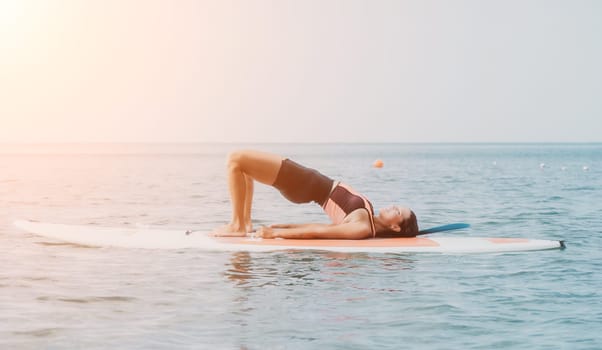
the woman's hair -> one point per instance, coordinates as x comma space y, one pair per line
408, 228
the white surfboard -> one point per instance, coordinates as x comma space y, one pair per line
147, 238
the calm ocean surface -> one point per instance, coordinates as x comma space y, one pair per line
61, 296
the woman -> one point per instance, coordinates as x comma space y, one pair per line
351, 213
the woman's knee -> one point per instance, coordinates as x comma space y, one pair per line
237, 159
233, 159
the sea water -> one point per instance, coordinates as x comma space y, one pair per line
63, 296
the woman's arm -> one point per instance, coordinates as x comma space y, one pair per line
350, 230
289, 225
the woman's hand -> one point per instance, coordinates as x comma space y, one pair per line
266, 232
282, 225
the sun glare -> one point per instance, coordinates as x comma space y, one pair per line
11, 12
13, 21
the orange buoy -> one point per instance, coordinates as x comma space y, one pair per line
378, 163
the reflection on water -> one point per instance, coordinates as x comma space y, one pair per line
309, 268
285, 294
240, 270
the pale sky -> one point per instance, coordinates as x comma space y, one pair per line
300, 71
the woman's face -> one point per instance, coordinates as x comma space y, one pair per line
394, 216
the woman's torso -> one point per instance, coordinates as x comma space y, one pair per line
344, 201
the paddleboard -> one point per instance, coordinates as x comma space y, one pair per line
152, 238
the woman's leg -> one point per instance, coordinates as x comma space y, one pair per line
248, 203
243, 168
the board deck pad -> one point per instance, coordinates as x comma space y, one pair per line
154, 238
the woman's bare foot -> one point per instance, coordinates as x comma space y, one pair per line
229, 230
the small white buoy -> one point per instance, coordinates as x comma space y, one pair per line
585, 168
542, 165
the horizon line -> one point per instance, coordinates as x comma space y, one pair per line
283, 142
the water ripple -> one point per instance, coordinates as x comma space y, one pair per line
53, 294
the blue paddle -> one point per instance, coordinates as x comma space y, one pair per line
447, 227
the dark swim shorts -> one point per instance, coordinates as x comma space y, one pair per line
299, 184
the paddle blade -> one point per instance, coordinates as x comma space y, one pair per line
449, 227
